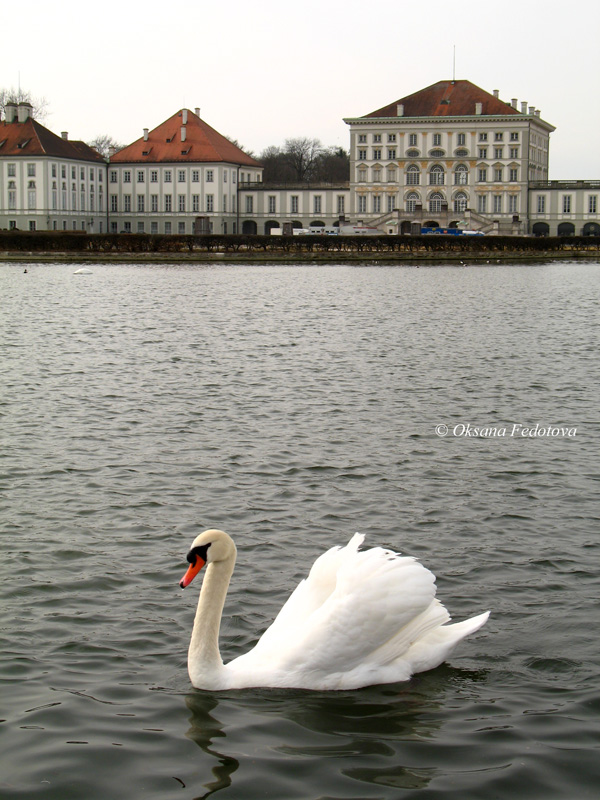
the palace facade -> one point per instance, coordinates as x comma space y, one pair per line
451, 154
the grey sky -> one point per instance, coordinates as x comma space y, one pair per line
262, 72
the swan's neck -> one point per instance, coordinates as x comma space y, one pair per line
204, 658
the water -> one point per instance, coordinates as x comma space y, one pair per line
293, 406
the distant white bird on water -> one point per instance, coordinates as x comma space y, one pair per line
83, 271
360, 618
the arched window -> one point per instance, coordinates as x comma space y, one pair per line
413, 176
460, 202
435, 203
461, 175
436, 176
411, 202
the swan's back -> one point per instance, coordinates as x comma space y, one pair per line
360, 618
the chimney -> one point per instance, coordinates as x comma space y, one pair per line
523, 106
496, 93
183, 133
65, 135
531, 110
10, 111
145, 134
197, 111
112, 150
514, 102
184, 117
537, 112
24, 111
400, 110
478, 109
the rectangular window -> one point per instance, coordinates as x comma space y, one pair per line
272, 204
483, 152
114, 206
224, 205
126, 227
377, 138
498, 151
391, 202
32, 225
460, 139
341, 204
483, 137
126, 202
514, 136
498, 175
224, 176
412, 139
127, 176
196, 203
377, 154
154, 202
362, 138
541, 204
482, 175
362, 155
593, 204
195, 176
82, 173
391, 137
513, 203
566, 204
482, 204
210, 203
317, 204
497, 204
181, 203
31, 170
154, 227
140, 176
168, 228
140, 227
181, 175
12, 170
391, 153
113, 175
113, 227
181, 228
31, 200
168, 176
168, 202
498, 137
73, 173
249, 205
54, 170
294, 204
362, 204
437, 139
141, 203
514, 152
209, 176
513, 175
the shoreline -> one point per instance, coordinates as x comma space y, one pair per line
439, 257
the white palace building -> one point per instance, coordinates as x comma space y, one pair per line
449, 155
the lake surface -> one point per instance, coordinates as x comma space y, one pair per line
292, 406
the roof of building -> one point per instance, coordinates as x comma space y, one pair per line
192, 141
446, 99
30, 138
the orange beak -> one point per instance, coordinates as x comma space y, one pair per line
193, 570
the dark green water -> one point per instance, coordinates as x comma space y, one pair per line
293, 406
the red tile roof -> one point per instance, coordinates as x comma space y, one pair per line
446, 99
202, 144
29, 138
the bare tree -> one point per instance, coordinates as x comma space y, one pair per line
301, 154
39, 104
304, 160
105, 145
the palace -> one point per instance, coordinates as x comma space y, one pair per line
449, 155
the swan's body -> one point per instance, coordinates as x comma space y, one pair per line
360, 618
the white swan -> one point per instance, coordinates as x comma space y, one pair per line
359, 619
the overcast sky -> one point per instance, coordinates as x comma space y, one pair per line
265, 71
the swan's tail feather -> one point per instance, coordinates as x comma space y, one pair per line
434, 648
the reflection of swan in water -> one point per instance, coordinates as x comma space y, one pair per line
371, 735
359, 619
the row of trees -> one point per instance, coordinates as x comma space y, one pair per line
299, 160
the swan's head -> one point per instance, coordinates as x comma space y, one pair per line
208, 547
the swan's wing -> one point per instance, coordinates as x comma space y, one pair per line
355, 608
